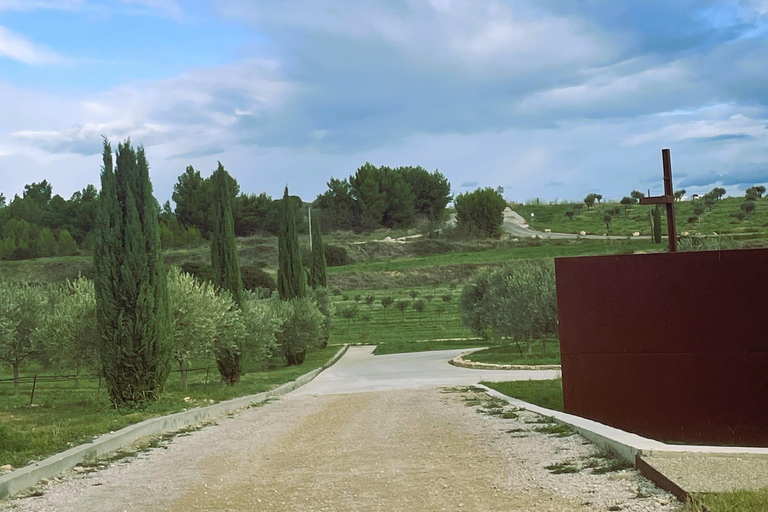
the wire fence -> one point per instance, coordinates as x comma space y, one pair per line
37, 380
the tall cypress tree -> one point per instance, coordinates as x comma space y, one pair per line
291, 280
318, 272
130, 281
226, 269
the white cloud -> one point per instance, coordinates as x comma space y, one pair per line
511, 35
17, 48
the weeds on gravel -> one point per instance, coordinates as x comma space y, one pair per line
606, 463
562, 468
599, 464
555, 429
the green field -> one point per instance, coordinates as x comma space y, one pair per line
636, 218
544, 393
510, 353
534, 249
436, 328
63, 416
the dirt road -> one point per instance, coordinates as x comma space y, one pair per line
401, 450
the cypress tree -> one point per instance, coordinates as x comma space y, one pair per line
226, 269
291, 280
318, 272
130, 281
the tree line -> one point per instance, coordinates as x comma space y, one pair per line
139, 319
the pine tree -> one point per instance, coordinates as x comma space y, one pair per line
318, 272
291, 280
226, 270
130, 282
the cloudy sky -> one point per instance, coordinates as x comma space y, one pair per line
547, 98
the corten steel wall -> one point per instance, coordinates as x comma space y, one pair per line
668, 346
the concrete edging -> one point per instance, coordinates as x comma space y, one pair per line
28, 476
474, 365
625, 444
632, 448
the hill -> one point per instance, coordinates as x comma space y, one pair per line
637, 218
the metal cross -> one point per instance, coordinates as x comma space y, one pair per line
668, 199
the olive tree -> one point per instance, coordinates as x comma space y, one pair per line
21, 309
199, 314
517, 301
69, 332
299, 329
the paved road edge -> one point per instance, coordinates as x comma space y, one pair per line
28, 476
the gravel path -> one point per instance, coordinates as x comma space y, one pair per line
399, 450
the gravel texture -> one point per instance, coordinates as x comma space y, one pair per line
402, 450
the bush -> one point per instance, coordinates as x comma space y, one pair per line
201, 271
739, 214
300, 328
22, 253
255, 278
425, 247
336, 256
326, 307
517, 300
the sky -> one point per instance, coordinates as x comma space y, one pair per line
552, 99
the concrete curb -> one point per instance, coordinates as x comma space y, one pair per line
474, 365
633, 448
625, 444
28, 476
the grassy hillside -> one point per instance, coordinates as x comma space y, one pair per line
636, 218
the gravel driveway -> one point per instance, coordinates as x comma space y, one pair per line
395, 450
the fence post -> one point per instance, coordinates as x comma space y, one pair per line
34, 384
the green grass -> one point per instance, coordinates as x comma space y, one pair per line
636, 218
63, 416
739, 501
529, 250
545, 393
509, 354
396, 332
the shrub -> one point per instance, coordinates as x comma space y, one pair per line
22, 253
255, 278
336, 256
747, 206
402, 305
326, 307
517, 300
200, 271
419, 305
425, 247
300, 328
739, 214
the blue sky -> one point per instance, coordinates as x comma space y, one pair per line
551, 99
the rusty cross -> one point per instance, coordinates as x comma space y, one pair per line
668, 199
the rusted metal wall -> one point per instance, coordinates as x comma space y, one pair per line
668, 346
